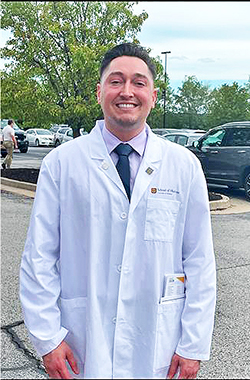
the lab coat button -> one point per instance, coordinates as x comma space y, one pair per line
119, 268
114, 320
105, 165
123, 215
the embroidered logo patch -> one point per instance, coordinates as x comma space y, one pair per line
153, 190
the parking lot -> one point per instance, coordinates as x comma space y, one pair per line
31, 159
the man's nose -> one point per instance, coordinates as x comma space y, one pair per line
127, 89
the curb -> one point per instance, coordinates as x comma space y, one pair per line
18, 184
221, 204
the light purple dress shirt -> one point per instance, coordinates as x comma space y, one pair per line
138, 143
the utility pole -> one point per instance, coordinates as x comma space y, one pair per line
164, 91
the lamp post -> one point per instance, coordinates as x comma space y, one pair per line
165, 81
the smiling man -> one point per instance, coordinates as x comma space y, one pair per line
117, 277
126, 96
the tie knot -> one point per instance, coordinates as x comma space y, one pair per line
123, 149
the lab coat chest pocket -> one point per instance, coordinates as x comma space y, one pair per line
168, 333
73, 312
160, 221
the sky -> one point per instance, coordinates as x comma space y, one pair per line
207, 39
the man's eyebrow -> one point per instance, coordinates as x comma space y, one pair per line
116, 73
136, 75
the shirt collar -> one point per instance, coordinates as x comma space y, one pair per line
138, 143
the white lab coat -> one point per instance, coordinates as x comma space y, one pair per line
93, 266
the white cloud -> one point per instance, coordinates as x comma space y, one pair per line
208, 39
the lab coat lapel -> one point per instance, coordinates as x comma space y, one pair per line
148, 169
99, 153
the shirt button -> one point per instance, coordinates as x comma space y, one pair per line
114, 320
124, 215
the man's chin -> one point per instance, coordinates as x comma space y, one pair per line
127, 123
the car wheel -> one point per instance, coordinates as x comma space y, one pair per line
247, 186
37, 142
24, 150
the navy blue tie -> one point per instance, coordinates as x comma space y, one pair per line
122, 166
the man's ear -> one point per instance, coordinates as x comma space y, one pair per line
98, 93
154, 97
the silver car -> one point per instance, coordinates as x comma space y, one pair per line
68, 135
58, 136
184, 138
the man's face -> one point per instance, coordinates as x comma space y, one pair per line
126, 94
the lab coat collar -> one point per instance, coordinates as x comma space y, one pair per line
148, 168
99, 153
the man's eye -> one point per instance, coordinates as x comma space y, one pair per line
115, 82
140, 84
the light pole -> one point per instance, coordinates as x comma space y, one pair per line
165, 81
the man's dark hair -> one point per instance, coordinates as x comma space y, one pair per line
10, 121
131, 50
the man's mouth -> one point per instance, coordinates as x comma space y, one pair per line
126, 105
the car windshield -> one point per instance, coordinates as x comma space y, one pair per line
43, 132
63, 130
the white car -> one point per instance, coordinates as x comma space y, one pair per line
58, 135
68, 135
39, 137
185, 138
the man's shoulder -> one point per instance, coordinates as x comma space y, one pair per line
8, 129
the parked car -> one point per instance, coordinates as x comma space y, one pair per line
54, 128
20, 136
39, 136
68, 135
224, 152
164, 131
58, 136
184, 138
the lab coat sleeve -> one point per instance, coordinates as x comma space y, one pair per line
199, 267
39, 272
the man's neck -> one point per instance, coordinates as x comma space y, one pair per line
124, 134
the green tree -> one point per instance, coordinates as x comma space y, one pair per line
155, 119
23, 99
56, 51
229, 103
191, 104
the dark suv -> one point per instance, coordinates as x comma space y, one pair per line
224, 153
20, 135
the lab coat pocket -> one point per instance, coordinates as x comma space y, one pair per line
168, 333
160, 221
73, 313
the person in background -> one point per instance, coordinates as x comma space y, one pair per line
9, 142
118, 276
